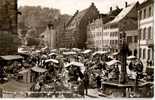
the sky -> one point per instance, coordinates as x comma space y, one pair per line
70, 6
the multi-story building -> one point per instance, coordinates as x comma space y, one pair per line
125, 21
94, 34
146, 33
76, 29
8, 26
49, 36
95, 29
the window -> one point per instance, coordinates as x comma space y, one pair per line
110, 41
136, 39
140, 51
150, 10
140, 15
144, 13
149, 33
144, 32
116, 42
144, 56
149, 54
129, 39
140, 33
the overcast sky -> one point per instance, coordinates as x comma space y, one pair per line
70, 6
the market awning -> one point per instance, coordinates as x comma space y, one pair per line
51, 54
112, 62
87, 51
44, 56
76, 49
62, 49
100, 52
24, 71
44, 48
131, 57
54, 50
69, 53
111, 57
38, 51
39, 70
52, 60
75, 64
11, 57
116, 53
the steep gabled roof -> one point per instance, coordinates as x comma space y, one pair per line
145, 3
77, 16
122, 14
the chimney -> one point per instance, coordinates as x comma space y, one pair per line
117, 7
126, 4
77, 11
110, 9
92, 4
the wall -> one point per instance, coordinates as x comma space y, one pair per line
8, 26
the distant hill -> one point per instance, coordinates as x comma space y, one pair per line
37, 19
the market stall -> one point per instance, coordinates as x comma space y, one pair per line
36, 72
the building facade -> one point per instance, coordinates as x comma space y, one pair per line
76, 29
125, 21
8, 26
95, 30
94, 34
146, 33
49, 37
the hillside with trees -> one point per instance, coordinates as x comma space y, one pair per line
34, 20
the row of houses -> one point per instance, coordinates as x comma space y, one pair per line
107, 35
90, 29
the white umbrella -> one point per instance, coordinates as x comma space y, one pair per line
116, 53
87, 51
111, 57
38, 69
61, 49
44, 56
100, 52
112, 62
52, 60
75, 64
76, 49
44, 48
38, 51
131, 57
54, 50
24, 71
51, 54
69, 53
79, 64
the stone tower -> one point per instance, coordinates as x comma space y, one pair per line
8, 26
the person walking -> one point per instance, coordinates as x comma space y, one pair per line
86, 81
81, 88
98, 82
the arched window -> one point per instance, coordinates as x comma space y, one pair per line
150, 11
144, 16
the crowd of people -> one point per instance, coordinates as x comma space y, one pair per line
68, 70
